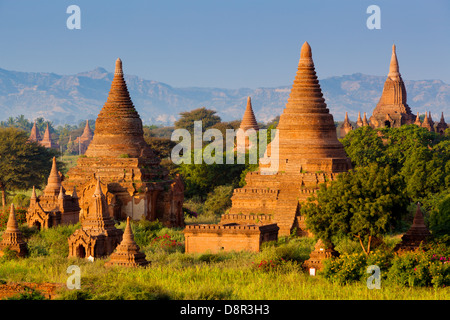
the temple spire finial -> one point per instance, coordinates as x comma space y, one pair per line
118, 69
394, 71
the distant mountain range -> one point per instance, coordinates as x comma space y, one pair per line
71, 98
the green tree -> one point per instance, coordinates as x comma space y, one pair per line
206, 116
364, 146
22, 163
362, 203
200, 179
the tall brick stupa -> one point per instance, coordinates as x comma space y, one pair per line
134, 182
309, 153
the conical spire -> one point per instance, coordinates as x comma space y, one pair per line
53, 181
87, 133
118, 128
74, 193
33, 193
394, 72
417, 234
128, 237
12, 238
359, 122
418, 122
61, 193
127, 253
365, 122
118, 70
442, 125
12, 225
98, 189
34, 135
306, 135
47, 133
249, 120
427, 123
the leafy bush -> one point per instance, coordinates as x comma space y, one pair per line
346, 268
21, 200
440, 220
218, 200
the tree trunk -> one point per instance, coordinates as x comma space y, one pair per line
2, 188
362, 244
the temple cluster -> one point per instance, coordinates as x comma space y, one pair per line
392, 110
120, 177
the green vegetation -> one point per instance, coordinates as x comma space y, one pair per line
273, 273
23, 164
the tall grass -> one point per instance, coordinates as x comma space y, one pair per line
174, 274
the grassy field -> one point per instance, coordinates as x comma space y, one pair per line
173, 274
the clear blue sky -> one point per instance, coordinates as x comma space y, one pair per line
229, 44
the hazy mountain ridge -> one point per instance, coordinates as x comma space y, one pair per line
71, 98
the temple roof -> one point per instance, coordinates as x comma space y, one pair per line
54, 181
249, 120
306, 131
118, 128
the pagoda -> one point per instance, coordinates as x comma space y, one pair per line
416, 235
346, 126
127, 253
318, 256
34, 135
98, 237
12, 237
442, 125
47, 139
307, 152
54, 206
428, 123
392, 109
248, 123
85, 139
135, 183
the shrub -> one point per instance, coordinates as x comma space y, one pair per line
21, 200
420, 269
345, 268
218, 200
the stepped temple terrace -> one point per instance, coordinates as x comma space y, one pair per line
392, 110
309, 154
134, 182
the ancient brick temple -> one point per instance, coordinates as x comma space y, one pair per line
47, 140
98, 237
228, 237
127, 253
34, 135
54, 206
12, 237
136, 184
417, 234
308, 154
442, 125
392, 110
317, 257
85, 139
347, 126
248, 123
